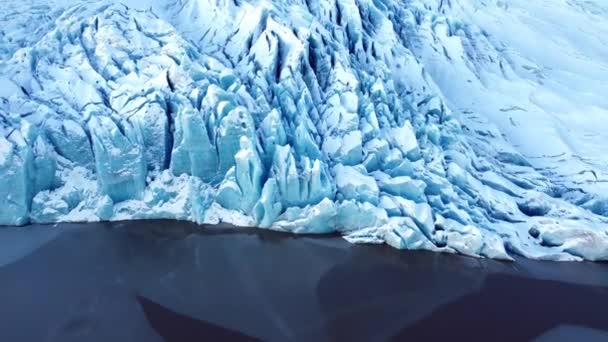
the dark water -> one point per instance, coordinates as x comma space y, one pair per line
170, 281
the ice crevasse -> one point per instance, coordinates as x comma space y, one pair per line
303, 117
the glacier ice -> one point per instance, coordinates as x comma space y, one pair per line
15, 162
353, 184
119, 158
373, 119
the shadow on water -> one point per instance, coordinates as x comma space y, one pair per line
511, 308
374, 292
378, 294
174, 327
177, 281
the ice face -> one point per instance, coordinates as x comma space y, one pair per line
119, 158
318, 117
14, 191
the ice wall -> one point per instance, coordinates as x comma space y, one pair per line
306, 117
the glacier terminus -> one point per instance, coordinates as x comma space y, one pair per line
477, 127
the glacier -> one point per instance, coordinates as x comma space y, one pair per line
422, 124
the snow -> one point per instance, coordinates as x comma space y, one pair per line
404, 138
472, 127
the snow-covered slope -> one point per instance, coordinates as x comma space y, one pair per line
468, 126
